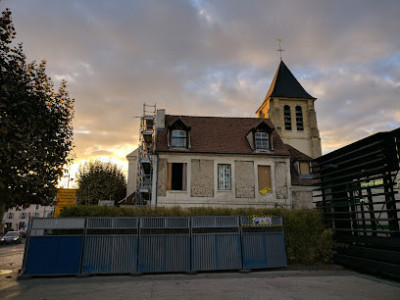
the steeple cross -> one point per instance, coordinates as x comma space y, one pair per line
280, 48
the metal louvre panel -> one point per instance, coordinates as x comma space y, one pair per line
164, 253
99, 223
216, 251
58, 223
254, 251
170, 222
125, 223
263, 250
275, 248
108, 223
206, 222
110, 254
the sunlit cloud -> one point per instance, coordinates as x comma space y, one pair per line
214, 58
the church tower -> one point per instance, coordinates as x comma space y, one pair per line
291, 109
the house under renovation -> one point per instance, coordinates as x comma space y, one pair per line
264, 161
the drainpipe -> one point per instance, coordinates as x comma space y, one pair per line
154, 190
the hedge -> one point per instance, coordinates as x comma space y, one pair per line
308, 242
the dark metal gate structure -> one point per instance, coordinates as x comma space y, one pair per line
359, 199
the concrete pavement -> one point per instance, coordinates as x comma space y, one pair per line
281, 284
330, 282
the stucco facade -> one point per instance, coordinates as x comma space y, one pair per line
202, 181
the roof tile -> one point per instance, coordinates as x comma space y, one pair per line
219, 135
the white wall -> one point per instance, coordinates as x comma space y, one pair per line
31, 211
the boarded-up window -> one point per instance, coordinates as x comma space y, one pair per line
304, 168
202, 178
264, 178
176, 176
244, 179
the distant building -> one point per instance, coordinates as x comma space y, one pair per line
235, 162
17, 218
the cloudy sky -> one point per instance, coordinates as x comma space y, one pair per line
215, 58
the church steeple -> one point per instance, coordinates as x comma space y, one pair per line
291, 109
286, 85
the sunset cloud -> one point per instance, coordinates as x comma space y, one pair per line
214, 58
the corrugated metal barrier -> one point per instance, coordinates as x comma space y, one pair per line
263, 243
110, 246
164, 245
215, 243
54, 246
72, 246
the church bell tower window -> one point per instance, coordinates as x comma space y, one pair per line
299, 118
287, 117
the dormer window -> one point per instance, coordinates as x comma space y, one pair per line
262, 140
259, 138
179, 134
178, 138
304, 169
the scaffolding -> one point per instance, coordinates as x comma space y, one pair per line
145, 155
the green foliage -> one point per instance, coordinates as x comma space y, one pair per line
35, 130
100, 181
310, 243
307, 240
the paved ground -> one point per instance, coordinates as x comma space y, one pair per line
328, 283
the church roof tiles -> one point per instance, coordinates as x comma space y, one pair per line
286, 85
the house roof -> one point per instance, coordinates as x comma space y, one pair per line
296, 155
285, 84
219, 135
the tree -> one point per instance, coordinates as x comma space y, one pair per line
100, 181
35, 126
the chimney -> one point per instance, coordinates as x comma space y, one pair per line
160, 119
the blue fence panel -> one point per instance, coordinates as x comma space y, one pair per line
41, 255
216, 252
53, 255
215, 243
110, 254
275, 248
164, 253
164, 245
110, 245
263, 243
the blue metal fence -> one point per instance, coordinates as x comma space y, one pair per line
54, 247
215, 243
164, 245
263, 243
71, 246
110, 246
